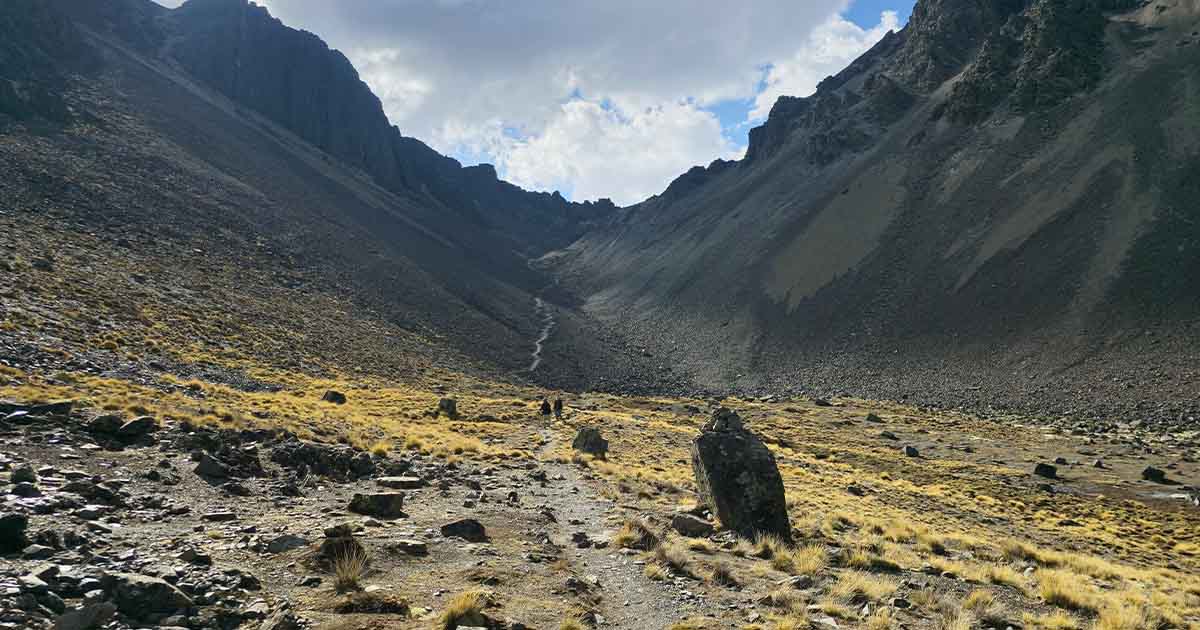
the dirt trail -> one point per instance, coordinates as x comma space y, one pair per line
546, 313
628, 598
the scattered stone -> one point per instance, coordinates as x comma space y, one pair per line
1049, 471
219, 517
448, 407
691, 526
378, 504
911, 451
738, 478
467, 529
873, 417
334, 397
589, 441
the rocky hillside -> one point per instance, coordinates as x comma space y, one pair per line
988, 208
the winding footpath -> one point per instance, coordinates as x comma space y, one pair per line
546, 314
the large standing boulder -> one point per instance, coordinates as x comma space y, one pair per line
738, 478
589, 441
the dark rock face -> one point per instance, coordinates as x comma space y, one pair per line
738, 478
294, 79
338, 462
589, 441
12, 532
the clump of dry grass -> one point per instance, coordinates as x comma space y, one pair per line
465, 609
881, 619
852, 584
349, 566
806, 560
722, 575
636, 534
983, 605
673, 556
655, 572
1066, 590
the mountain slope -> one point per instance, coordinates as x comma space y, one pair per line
984, 209
114, 133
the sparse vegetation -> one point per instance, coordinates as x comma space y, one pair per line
349, 565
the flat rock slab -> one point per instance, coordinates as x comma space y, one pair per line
401, 483
409, 547
218, 517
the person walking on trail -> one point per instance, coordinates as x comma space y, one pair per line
545, 407
558, 408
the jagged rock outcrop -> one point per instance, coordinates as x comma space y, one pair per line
738, 479
294, 79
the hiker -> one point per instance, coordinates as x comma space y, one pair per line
545, 407
558, 407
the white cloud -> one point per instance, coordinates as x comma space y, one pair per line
597, 98
596, 151
830, 48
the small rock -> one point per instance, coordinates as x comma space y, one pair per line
209, 466
911, 451
409, 547
1049, 471
691, 526
24, 474
334, 397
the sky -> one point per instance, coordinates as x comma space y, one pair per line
593, 98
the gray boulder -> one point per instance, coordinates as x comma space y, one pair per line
738, 478
86, 617
691, 526
137, 428
589, 441
335, 397
467, 529
448, 407
140, 596
209, 466
378, 504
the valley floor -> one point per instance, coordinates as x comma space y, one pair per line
961, 535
